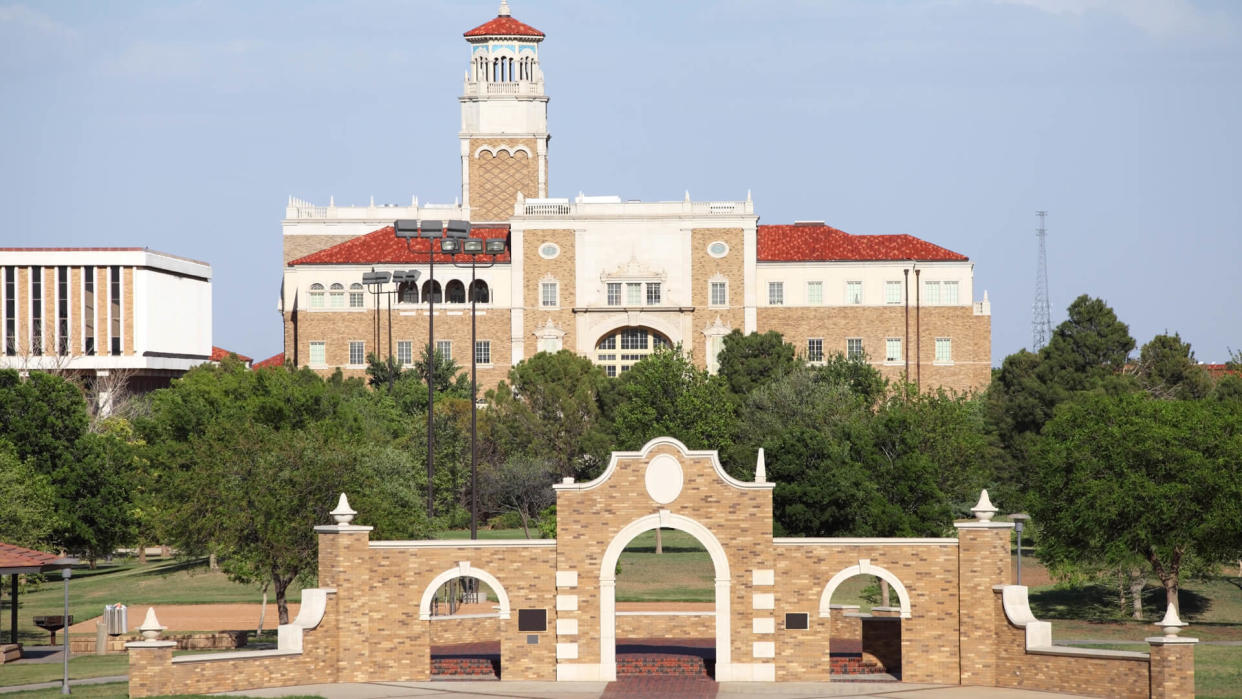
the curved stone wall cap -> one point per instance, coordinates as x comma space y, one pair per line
646, 449
977, 524
1170, 640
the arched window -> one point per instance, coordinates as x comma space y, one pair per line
355, 295
455, 291
479, 292
407, 292
624, 347
336, 295
510, 70
316, 296
432, 291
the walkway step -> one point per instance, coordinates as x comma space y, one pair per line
475, 668
853, 664
661, 665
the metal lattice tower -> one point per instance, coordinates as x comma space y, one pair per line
1041, 313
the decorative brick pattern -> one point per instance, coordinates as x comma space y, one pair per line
495, 180
704, 268
538, 270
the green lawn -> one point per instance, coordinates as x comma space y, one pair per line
135, 585
79, 668
486, 533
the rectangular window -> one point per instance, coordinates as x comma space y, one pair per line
614, 293
892, 292
36, 310
948, 294
337, 299
10, 310
776, 293
633, 293
853, 293
316, 299
548, 294
551, 345
445, 348
483, 352
357, 352
853, 348
719, 292
815, 293
62, 310
944, 350
318, 354
892, 349
815, 349
653, 293
114, 302
405, 352
88, 310
633, 338
931, 293
355, 296
610, 370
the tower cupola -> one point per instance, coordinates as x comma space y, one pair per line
504, 118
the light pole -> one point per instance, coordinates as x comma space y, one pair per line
374, 282
473, 247
1018, 520
409, 229
66, 573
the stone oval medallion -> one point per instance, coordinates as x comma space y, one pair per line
664, 479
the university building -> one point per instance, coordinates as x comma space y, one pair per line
94, 312
609, 278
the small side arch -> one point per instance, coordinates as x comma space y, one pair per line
864, 567
463, 570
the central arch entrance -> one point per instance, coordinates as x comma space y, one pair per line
608, 585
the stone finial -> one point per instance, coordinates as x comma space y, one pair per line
504, 9
151, 628
1171, 623
984, 509
761, 469
343, 514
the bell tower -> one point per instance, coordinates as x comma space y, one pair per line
504, 118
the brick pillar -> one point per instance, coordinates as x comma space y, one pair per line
344, 565
1172, 667
150, 668
983, 561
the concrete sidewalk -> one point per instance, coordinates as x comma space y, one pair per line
595, 690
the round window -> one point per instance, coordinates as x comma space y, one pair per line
549, 250
718, 249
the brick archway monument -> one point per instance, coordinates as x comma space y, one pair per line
664, 485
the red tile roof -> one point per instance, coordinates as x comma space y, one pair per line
820, 243
12, 556
384, 247
504, 25
219, 353
276, 360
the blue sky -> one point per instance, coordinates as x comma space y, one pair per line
184, 126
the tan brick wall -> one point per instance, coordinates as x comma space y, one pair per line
495, 180
929, 647
152, 673
970, 334
538, 270
452, 322
1172, 671
704, 267
1118, 678
296, 246
984, 564
447, 630
644, 626
882, 639
588, 520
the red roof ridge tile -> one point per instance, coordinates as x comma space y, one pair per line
382, 246
822, 243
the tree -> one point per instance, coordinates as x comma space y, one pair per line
522, 485
29, 515
449, 378
750, 361
550, 408
95, 494
1167, 369
665, 394
1120, 477
1086, 350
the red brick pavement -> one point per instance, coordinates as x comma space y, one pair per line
660, 688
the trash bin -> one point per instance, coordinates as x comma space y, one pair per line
116, 618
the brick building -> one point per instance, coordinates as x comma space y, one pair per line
610, 279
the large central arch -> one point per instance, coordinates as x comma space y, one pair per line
608, 585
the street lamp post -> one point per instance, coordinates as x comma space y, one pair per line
473, 247
409, 229
1018, 521
66, 573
